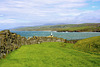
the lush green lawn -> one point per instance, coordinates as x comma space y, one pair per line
51, 54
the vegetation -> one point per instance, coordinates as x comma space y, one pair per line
86, 27
50, 54
81, 29
89, 45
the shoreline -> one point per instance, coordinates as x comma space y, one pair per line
50, 31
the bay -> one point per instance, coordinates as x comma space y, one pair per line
65, 35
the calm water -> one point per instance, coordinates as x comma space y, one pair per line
65, 35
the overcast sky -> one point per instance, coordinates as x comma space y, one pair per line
15, 13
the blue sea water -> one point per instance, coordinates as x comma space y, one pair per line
65, 35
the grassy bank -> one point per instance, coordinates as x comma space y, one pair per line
50, 54
91, 45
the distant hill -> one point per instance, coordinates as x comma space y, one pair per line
86, 27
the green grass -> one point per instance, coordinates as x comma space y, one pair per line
91, 44
81, 29
50, 54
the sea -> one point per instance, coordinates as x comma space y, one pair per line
65, 35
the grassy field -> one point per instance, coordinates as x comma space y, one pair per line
50, 54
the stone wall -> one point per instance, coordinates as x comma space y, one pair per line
38, 40
71, 41
11, 41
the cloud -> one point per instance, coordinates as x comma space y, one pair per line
38, 5
96, 0
38, 8
44, 11
7, 20
89, 17
93, 6
71, 5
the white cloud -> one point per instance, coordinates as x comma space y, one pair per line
43, 10
96, 0
93, 6
38, 5
1, 15
89, 17
7, 20
69, 14
71, 5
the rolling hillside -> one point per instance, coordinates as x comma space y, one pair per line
89, 45
86, 27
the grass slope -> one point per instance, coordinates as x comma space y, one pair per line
89, 44
50, 54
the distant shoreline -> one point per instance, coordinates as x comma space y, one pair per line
54, 31
87, 27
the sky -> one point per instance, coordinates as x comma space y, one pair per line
18, 13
